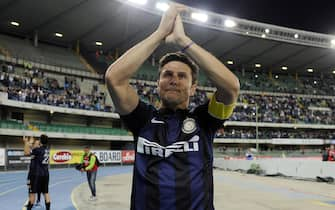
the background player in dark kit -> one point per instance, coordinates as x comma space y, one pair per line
39, 172
33, 144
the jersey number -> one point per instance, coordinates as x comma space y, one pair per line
46, 157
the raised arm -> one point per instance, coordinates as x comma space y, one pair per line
119, 73
224, 80
27, 146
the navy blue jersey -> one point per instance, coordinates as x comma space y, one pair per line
39, 162
174, 158
31, 167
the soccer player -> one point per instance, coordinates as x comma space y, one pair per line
174, 154
39, 171
33, 144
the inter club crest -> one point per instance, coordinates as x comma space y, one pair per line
189, 125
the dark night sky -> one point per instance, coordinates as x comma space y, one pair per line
310, 15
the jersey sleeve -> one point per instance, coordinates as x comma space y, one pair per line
219, 110
36, 151
213, 114
139, 117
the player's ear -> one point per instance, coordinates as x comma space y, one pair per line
193, 89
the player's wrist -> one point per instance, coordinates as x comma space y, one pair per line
159, 35
184, 42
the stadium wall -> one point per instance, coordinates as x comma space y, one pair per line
294, 167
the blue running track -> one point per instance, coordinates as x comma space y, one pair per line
13, 188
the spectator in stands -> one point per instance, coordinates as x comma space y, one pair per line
187, 135
10, 68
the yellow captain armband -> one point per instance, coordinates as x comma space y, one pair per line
220, 110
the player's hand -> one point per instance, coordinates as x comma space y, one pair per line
178, 35
168, 19
25, 139
82, 170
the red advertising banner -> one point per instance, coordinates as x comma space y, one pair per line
128, 156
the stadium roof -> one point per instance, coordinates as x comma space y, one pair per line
304, 15
120, 25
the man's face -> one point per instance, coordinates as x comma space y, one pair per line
175, 85
86, 150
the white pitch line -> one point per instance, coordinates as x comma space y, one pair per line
24, 205
11, 190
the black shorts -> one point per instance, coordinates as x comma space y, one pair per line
39, 184
28, 179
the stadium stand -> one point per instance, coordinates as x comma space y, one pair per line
33, 85
47, 54
30, 85
269, 133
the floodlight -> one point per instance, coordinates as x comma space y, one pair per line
14, 23
58, 34
296, 36
310, 70
267, 30
202, 17
284, 68
257, 65
97, 43
229, 23
263, 35
162, 6
230, 62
